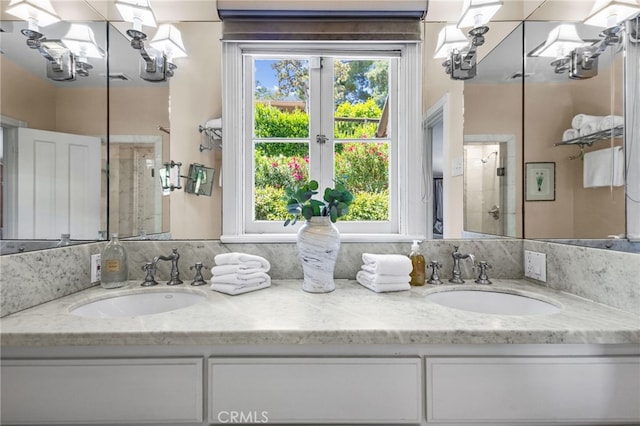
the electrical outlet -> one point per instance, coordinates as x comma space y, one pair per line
535, 265
95, 268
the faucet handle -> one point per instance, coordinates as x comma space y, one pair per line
150, 269
483, 278
198, 279
435, 277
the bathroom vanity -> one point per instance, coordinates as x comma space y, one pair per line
283, 356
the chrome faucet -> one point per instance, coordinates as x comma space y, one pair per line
456, 275
175, 273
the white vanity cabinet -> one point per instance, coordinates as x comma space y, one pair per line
101, 391
315, 390
544, 390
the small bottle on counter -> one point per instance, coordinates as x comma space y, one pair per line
418, 273
113, 268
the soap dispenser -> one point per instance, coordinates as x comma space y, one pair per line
418, 273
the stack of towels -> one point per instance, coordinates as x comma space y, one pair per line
584, 124
385, 272
236, 273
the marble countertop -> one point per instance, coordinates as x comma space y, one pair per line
352, 314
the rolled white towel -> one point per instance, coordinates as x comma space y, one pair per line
386, 264
383, 279
581, 119
570, 134
248, 260
240, 281
240, 269
590, 128
234, 289
361, 278
611, 121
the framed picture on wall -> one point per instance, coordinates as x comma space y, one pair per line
540, 181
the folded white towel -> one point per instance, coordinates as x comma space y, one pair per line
611, 121
241, 280
604, 167
590, 127
570, 134
383, 279
386, 264
234, 289
248, 260
361, 278
241, 269
581, 119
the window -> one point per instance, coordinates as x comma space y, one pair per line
347, 112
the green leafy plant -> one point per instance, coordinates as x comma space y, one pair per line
300, 201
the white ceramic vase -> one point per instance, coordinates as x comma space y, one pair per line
318, 245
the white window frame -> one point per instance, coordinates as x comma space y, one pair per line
410, 153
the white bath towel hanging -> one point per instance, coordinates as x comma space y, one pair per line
604, 167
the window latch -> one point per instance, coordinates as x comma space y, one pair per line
321, 139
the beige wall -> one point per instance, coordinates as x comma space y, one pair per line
196, 96
25, 97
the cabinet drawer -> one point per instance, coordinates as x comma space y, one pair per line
315, 390
102, 391
535, 389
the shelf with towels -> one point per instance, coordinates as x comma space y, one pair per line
594, 137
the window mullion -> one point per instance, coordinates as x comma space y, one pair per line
326, 117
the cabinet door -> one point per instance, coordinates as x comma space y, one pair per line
315, 390
94, 391
598, 389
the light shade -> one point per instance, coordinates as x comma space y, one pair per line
450, 38
36, 12
609, 13
476, 13
168, 39
560, 41
81, 41
137, 12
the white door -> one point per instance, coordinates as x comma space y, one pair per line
53, 185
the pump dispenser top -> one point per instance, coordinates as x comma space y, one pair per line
418, 273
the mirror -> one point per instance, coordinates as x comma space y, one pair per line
492, 144
53, 138
138, 111
139, 139
580, 208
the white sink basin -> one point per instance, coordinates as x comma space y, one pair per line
492, 302
137, 304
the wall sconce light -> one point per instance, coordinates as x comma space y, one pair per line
40, 13
153, 66
37, 13
168, 41
81, 42
576, 58
462, 54
156, 64
611, 13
